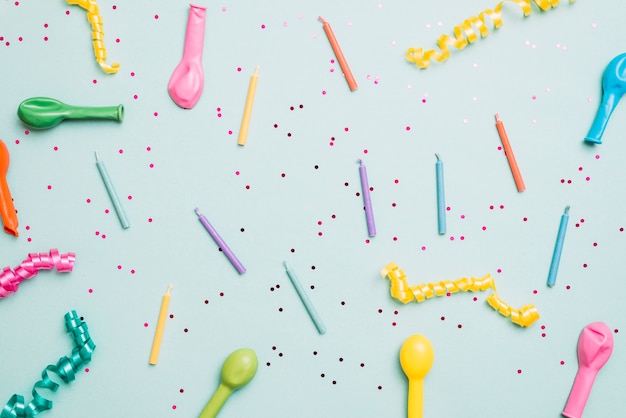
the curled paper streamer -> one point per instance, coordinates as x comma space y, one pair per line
470, 29
400, 289
97, 34
10, 279
65, 369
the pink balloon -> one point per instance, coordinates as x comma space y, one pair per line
595, 346
187, 80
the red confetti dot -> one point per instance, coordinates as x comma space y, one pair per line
519, 371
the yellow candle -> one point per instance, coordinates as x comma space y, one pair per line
245, 121
158, 334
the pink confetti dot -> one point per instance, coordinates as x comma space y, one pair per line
94, 81
130, 197
346, 129
145, 324
117, 40
135, 97
67, 12
119, 267
562, 362
262, 26
156, 16
90, 290
49, 187
114, 7
408, 128
149, 219
132, 73
156, 114
86, 369
519, 371
323, 92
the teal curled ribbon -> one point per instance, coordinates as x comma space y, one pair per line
65, 369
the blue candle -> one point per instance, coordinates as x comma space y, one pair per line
558, 248
441, 199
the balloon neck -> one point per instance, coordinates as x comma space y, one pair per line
105, 112
609, 101
580, 392
216, 402
415, 404
194, 37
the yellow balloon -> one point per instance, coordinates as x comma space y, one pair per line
416, 358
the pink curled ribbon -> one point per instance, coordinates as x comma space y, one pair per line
11, 279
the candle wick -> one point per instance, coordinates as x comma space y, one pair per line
197, 211
437, 155
256, 71
360, 161
566, 211
168, 289
97, 156
498, 118
321, 19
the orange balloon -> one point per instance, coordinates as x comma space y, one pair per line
7, 210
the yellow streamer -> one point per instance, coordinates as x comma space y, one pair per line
400, 289
465, 32
97, 34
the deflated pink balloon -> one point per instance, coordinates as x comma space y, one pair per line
187, 80
595, 346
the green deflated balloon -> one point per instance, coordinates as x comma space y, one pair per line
238, 369
44, 112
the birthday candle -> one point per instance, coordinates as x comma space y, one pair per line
245, 120
115, 200
220, 243
158, 334
321, 328
441, 200
558, 248
508, 151
367, 200
339, 54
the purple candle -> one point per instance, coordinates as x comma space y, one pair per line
367, 200
220, 243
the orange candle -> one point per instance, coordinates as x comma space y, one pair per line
508, 151
339, 54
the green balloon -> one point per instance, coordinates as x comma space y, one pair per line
238, 369
44, 112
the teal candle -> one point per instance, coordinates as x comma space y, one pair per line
115, 200
441, 199
321, 328
558, 248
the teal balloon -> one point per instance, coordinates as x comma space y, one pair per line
45, 113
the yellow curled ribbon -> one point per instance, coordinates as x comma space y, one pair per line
97, 34
465, 32
400, 289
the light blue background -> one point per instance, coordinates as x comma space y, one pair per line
540, 73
